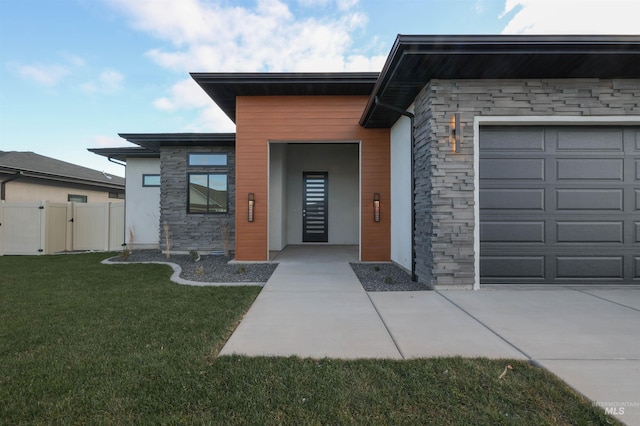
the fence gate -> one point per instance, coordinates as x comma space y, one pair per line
22, 229
90, 226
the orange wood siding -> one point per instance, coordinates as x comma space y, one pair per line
260, 119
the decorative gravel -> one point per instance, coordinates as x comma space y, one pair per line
210, 268
385, 277
216, 269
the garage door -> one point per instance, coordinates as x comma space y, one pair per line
560, 205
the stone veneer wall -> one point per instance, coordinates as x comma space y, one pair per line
445, 180
187, 232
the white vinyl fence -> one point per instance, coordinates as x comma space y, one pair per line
44, 227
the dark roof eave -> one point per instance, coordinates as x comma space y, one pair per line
121, 154
153, 141
224, 88
416, 59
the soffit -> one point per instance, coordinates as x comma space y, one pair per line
223, 88
415, 60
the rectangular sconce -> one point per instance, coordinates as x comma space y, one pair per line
456, 131
376, 207
252, 202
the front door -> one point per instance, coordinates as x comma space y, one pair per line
315, 207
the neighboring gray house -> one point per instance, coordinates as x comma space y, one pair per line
467, 160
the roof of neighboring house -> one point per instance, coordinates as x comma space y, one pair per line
416, 59
223, 88
30, 164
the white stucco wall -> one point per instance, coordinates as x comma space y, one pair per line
142, 213
401, 192
341, 161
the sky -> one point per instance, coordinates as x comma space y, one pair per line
75, 73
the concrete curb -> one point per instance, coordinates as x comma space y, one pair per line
177, 270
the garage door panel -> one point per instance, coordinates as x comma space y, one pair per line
589, 199
570, 214
508, 168
514, 267
512, 199
590, 139
507, 139
585, 268
590, 169
589, 232
512, 232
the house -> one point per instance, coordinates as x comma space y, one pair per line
27, 176
51, 206
467, 160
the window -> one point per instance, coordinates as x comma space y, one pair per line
77, 198
150, 180
207, 193
118, 195
206, 159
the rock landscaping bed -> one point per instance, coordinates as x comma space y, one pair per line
385, 277
209, 268
216, 269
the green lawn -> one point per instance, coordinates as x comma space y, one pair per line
82, 342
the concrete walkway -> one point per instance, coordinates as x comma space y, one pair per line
314, 306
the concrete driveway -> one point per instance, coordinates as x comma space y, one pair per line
314, 306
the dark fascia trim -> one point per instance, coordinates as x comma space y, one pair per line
153, 141
223, 88
287, 77
450, 45
123, 153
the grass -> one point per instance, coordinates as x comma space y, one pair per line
85, 343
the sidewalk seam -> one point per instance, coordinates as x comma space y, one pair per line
385, 326
486, 326
606, 300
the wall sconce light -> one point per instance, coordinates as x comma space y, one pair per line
456, 131
252, 202
376, 207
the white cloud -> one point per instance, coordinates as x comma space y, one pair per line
267, 38
207, 36
210, 36
49, 74
341, 4
212, 119
109, 81
73, 60
185, 94
101, 141
43, 74
572, 16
